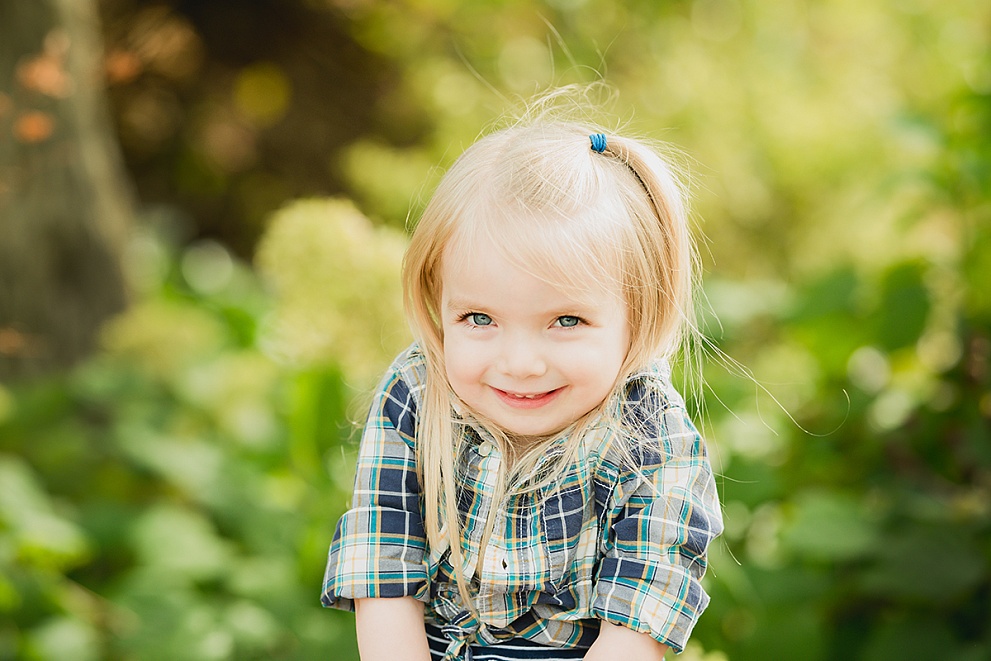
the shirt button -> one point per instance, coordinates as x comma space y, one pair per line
485, 449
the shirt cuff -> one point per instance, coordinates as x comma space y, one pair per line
363, 566
662, 600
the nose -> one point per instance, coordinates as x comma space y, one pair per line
521, 358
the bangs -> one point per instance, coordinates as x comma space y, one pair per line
576, 254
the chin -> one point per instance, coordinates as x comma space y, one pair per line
533, 431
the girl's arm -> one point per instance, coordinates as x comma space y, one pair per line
663, 512
390, 629
616, 642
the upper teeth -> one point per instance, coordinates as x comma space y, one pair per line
525, 396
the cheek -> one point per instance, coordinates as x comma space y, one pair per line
463, 366
602, 377
610, 359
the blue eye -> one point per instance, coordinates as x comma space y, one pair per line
478, 319
568, 321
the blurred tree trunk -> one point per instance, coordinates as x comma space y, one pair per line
64, 200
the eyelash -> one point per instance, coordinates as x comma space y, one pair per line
579, 320
465, 317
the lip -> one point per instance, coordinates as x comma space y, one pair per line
527, 400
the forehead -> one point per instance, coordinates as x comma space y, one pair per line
485, 280
558, 251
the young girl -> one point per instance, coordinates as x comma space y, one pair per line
529, 484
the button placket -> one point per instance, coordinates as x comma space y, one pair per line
488, 467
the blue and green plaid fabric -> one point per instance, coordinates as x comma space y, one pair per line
610, 541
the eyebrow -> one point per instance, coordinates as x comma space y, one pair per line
461, 304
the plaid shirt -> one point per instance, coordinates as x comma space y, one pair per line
624, 544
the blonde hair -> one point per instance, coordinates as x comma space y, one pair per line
540, 195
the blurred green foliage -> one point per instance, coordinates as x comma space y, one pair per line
174, 497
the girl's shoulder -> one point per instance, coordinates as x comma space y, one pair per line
648, 393
407, 373
410, 366
646, 416
397, 398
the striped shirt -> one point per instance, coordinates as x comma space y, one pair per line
609, 541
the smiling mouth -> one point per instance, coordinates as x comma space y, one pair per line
527, 401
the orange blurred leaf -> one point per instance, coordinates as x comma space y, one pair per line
122, 66
45, 74
13, 342
34, 126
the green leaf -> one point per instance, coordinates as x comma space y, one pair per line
829, 527
180, 541
42, 537
63, 638
932, 564
904, 306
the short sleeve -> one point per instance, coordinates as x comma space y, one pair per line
378, 546
662, 517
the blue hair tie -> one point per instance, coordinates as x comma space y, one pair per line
598, 142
